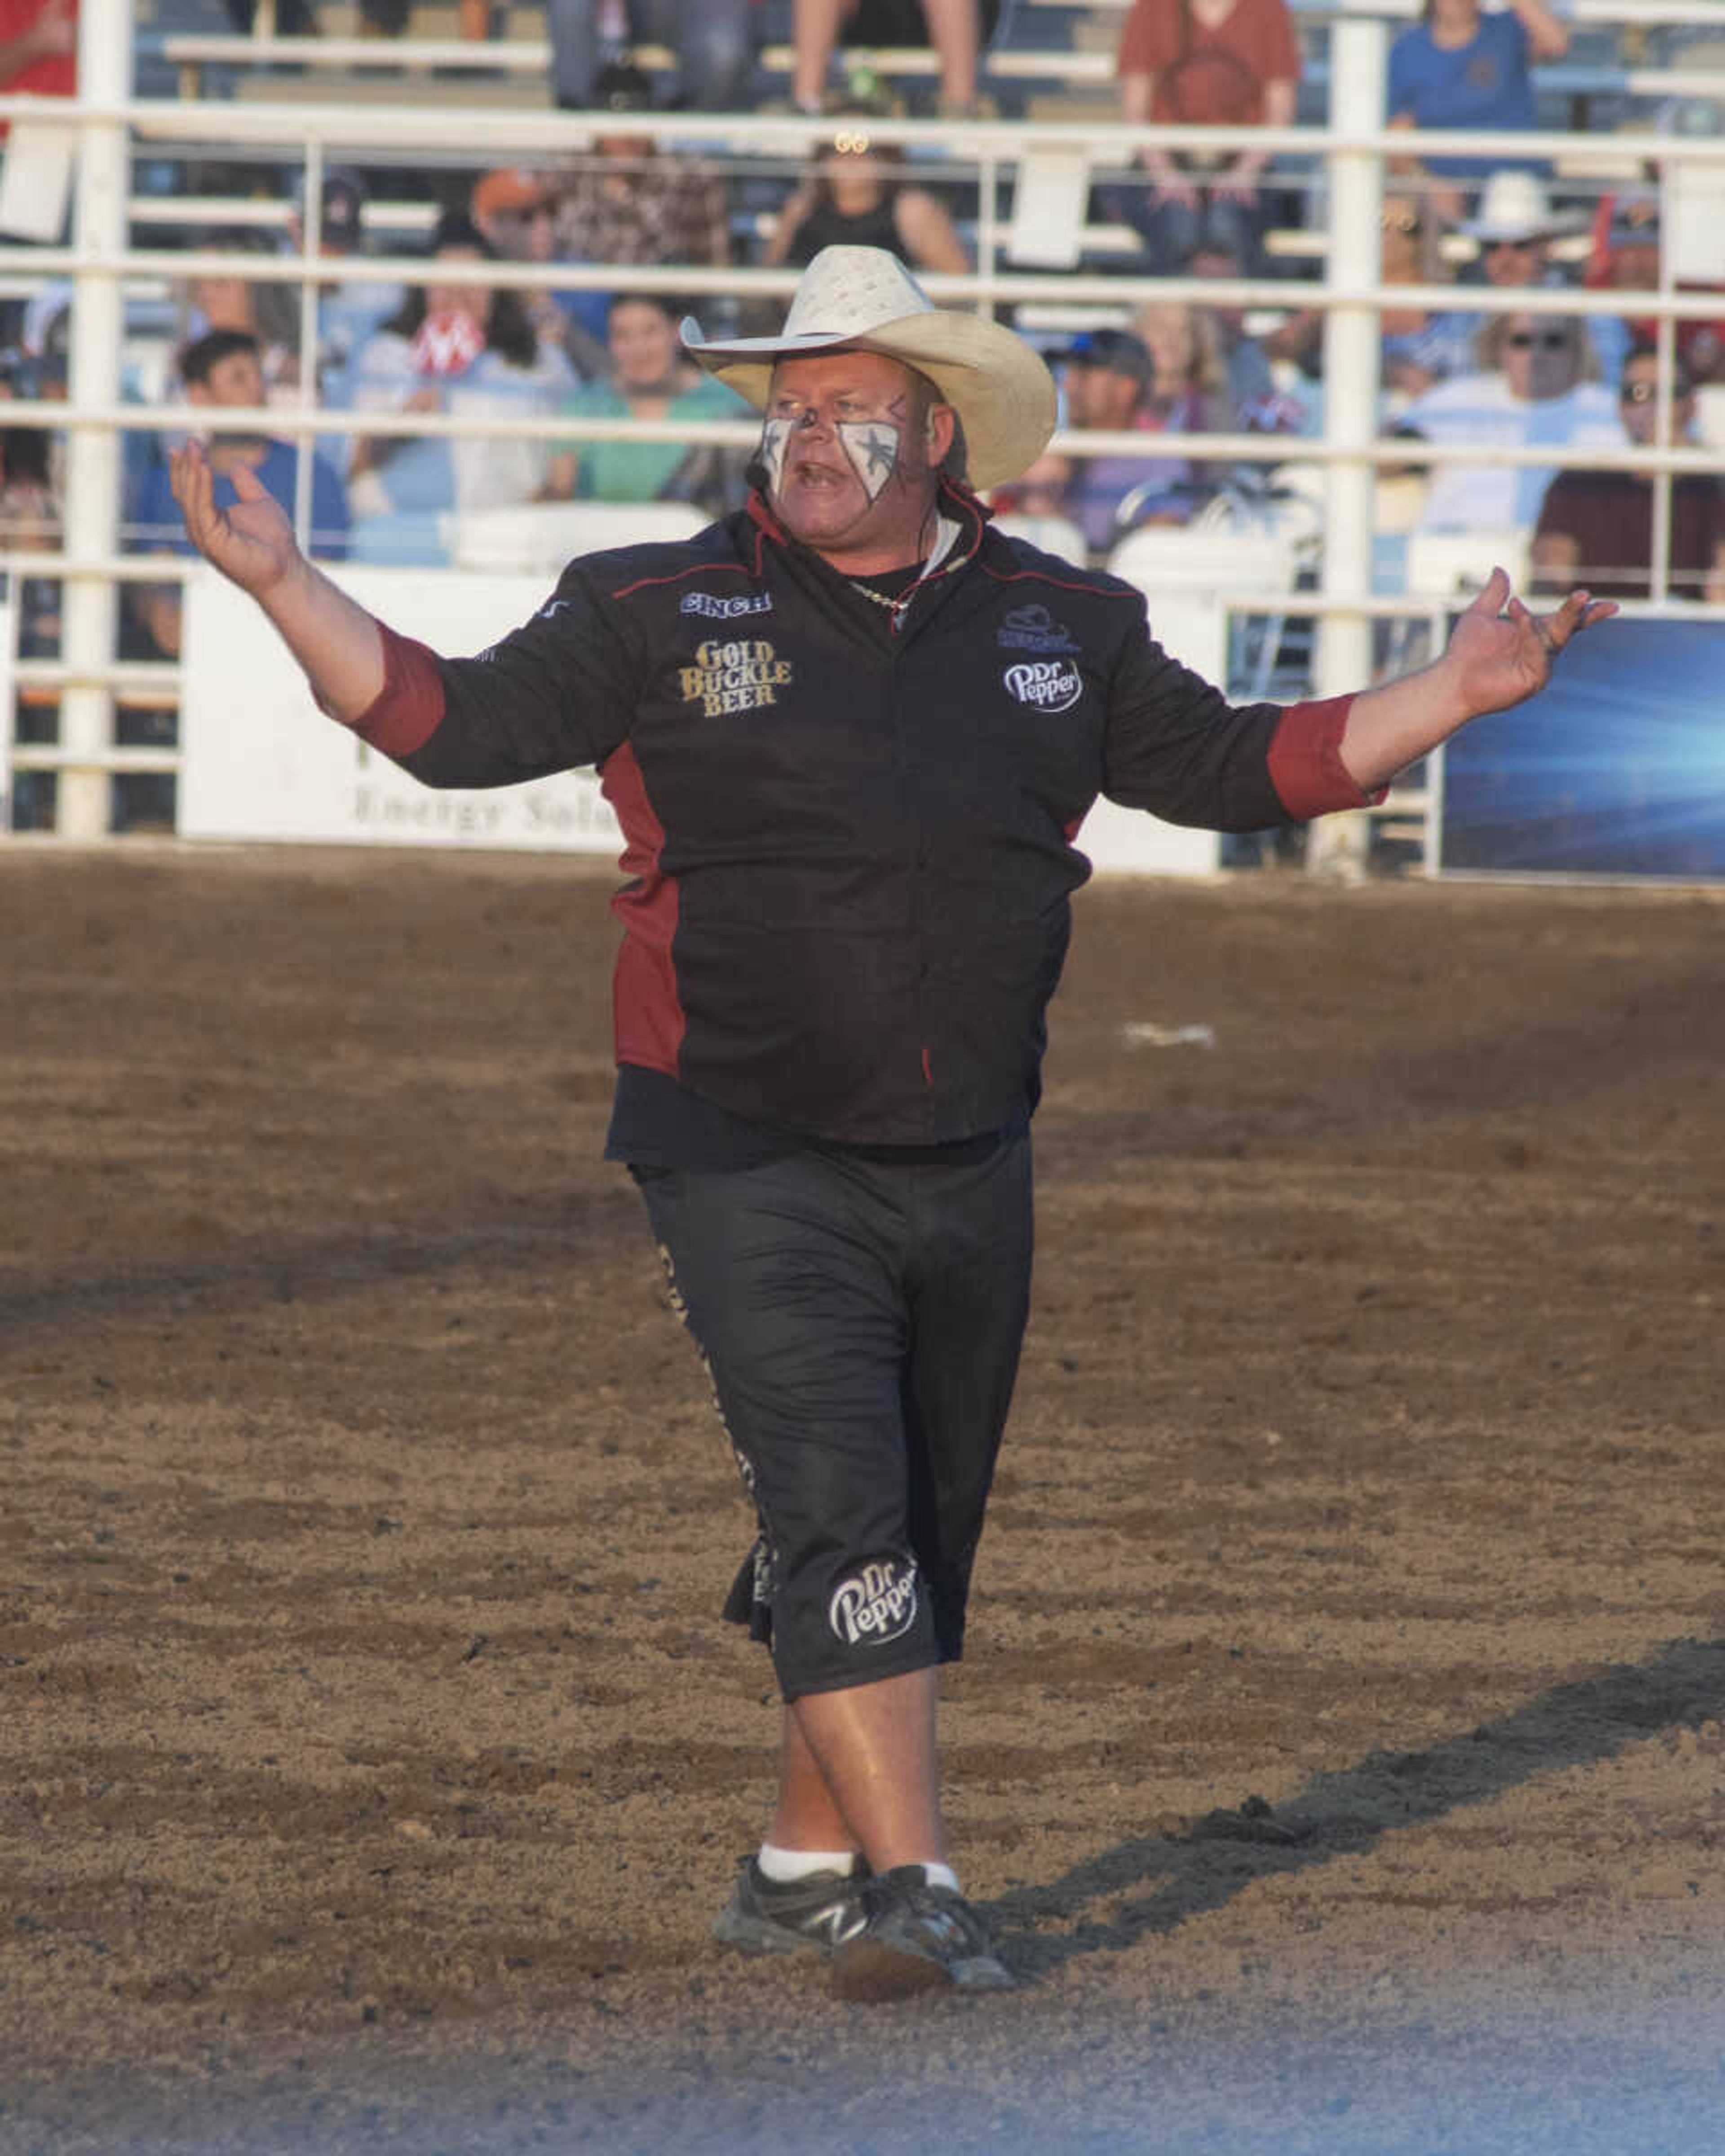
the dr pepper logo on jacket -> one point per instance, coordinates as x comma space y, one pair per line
1047, 684
738, 676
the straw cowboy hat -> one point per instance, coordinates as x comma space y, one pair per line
1514, 206
863, 298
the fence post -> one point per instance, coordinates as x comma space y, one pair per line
105, 49
1360, 49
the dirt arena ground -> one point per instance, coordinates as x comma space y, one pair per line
1341, 1752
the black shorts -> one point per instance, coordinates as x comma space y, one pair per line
860, 1321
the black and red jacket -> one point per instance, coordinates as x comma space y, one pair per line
851, 850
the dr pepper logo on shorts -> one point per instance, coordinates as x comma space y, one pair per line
1047, 684
874, 1604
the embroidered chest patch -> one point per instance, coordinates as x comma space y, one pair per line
741, 674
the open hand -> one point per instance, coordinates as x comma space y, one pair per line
1502, 653
252, 542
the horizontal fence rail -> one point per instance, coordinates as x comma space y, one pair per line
305, 135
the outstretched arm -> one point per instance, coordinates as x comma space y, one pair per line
336, 641
1499, 654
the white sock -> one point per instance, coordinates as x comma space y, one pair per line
941, 1875
785, 1865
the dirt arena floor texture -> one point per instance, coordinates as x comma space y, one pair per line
1341, 1755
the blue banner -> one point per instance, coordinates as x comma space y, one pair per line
1617, 769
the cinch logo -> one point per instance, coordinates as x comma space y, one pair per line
875, 1604
718, 609
1047, 684
739, 676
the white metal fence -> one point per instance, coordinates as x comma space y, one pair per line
117, 134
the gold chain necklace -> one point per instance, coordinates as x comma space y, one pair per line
895, 607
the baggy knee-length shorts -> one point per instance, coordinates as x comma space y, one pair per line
860, 1321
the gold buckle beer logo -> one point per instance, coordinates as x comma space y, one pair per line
741, 674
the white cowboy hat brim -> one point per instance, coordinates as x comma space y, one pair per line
998, 384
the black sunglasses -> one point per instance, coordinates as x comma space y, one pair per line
1545, 340
1645, 392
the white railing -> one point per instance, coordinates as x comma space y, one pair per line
114, 129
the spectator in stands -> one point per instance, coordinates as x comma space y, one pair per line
1269, 390
1625, 257
517, 211
1109, 384
1516, 233
1596, 528
459, 348
223, 370
627, 202
348, 310
38, 49
1462, 67
1042, 490
261, 308
715, 42
1532, 386
954, 27
859, 196
1421, 346
651, 378
1213, 63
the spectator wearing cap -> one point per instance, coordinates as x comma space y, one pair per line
1460, 66
1108, 386
1514, 232
715, 41
348, 309
626, 203
1595, 528
858, 196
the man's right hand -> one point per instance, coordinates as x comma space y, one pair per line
338, 644
252, 542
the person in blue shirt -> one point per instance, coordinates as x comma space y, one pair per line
225, 368
1461, 67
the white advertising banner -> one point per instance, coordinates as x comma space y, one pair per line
260, 762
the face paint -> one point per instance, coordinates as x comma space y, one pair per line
872, 446
775, 441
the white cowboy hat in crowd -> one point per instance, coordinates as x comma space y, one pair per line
1514, 206
863, 298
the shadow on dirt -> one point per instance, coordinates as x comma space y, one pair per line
1342, 1814
568, 1229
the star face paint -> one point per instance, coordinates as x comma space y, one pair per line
775, 441
872, 446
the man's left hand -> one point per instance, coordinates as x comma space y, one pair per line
1500, 654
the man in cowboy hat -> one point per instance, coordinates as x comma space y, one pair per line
849, 733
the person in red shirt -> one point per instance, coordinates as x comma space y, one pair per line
38, 48
1206, 63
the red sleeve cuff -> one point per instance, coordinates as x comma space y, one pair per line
1306, 765
408, 709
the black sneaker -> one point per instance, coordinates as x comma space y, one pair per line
917, 1937
772, 1916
